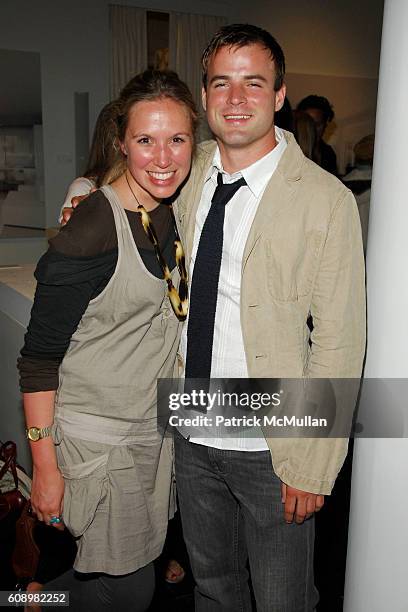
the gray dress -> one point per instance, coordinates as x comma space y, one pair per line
116, 465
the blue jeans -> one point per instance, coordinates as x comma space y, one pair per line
231, 511
99, 592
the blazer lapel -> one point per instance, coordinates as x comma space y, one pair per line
278, 194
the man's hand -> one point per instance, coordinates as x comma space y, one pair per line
300, 505
68, 212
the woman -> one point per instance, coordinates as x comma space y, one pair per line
306, 135
105, 325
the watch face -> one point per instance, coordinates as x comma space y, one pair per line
34, 434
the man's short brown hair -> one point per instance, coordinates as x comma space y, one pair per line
241, 35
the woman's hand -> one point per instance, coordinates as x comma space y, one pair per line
47, 493
47, 490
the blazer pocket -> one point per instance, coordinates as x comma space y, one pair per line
292, 265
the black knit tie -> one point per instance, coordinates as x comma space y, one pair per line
204, 286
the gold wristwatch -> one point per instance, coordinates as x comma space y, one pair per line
37, 433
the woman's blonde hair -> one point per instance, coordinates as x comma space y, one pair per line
103, 156
304, 129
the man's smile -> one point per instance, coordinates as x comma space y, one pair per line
237, 117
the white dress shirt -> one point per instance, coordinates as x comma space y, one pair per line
228, 354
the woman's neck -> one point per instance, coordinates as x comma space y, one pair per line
131, 195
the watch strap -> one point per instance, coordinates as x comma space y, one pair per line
42, 432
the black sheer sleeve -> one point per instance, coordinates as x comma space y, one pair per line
77, 266
90, 231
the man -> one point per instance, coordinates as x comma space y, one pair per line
321, 111
291, 249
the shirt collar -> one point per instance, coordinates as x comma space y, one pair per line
258, 174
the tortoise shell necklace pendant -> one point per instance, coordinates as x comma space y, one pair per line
178, 299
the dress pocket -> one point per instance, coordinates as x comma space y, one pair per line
84, 490
292, 265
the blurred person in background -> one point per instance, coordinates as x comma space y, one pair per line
321, 111
284, 116
305, 132
359, 180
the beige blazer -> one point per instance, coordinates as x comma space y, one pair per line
303, 256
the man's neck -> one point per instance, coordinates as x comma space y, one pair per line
235, 158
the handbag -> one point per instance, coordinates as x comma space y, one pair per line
26, 553
12, 500
19, 553
37, 551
